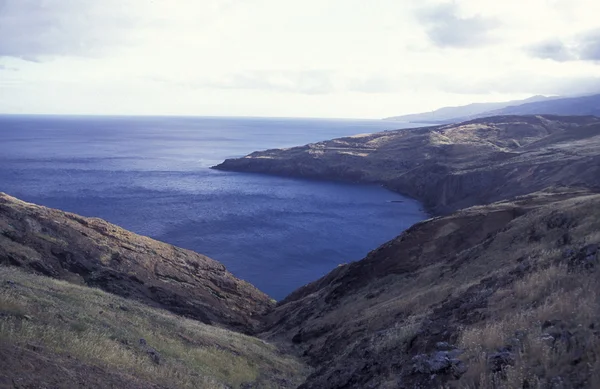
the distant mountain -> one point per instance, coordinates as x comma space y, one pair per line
582, 105
471, 110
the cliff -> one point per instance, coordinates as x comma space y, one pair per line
450, 167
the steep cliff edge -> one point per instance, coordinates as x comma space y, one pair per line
92, 252
454, 166
497, 296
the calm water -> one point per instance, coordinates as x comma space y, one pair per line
151, 176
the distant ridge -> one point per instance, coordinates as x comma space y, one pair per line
465, 111
580, 106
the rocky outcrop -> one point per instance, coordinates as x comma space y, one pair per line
451, 167
96, 253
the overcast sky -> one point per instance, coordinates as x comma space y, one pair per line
294, 58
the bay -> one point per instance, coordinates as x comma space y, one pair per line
151, 175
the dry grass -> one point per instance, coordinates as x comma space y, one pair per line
548, 318
396, 337
101, 329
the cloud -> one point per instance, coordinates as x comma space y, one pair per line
373, 84
589, 46
582, 47
311, 82
445, 27
33, 29
551, 49
9, 68
37, 29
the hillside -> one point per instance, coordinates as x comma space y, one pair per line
449, 167
95, 253
496, 296
55, 334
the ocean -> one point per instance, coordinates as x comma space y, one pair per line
151, 175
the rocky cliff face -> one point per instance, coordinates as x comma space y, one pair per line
452, 166
96, 253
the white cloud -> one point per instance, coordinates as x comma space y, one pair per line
282, 58
580, 47
33, 29
446, 27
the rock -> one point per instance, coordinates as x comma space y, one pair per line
154, 355
44, 268
497, 361
444, 346
550, 323
586, 258
563, 336
297, 338
440, 362
34, 347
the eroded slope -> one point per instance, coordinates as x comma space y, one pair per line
96, 253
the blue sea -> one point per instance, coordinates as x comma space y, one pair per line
151, 175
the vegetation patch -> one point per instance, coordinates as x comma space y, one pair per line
100, 329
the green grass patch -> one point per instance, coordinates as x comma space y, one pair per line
105, 330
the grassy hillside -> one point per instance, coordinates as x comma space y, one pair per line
54, 334
497, 296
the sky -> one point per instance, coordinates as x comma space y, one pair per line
291, 58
